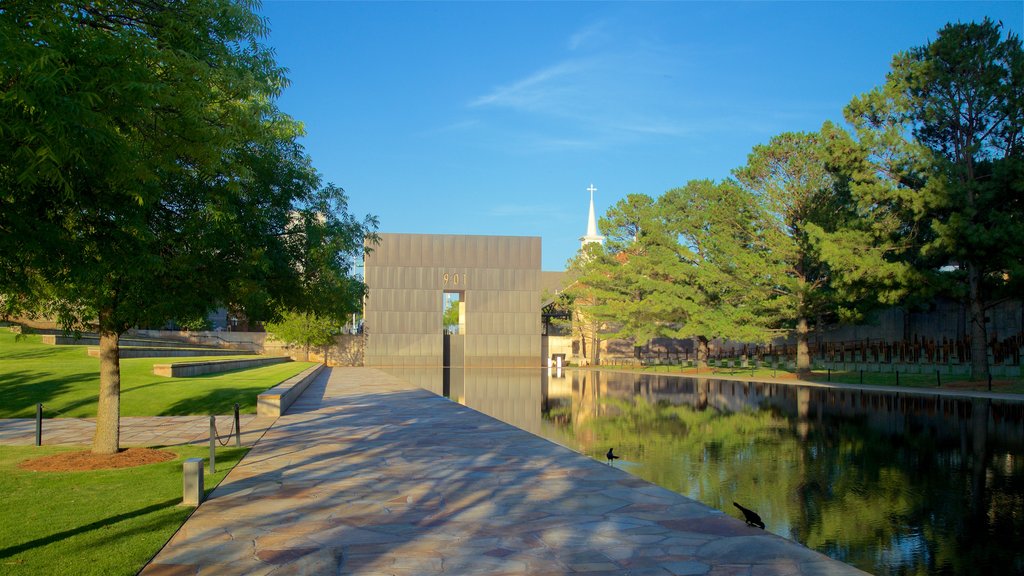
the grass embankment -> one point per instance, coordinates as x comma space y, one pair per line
105, 522
928, 380
66, 380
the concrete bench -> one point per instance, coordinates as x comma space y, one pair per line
185, 369
278, 399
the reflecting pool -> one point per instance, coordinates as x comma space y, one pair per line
891, 483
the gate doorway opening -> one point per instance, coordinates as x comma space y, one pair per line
453, 328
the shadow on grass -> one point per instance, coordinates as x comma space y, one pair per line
24, 389
26, 355
97, 525
220, 401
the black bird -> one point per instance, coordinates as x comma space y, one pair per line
750, 516
611, 457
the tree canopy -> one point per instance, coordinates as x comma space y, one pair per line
920, 196
146, 174
942, 147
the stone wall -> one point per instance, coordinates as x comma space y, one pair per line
497, 278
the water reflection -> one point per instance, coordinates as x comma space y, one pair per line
891, 483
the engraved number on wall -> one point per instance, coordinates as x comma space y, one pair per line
453, 279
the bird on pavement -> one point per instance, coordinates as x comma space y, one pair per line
611, 457
752, 518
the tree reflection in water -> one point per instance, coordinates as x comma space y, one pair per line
906, 484
893, 484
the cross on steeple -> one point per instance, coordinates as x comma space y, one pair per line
592, 235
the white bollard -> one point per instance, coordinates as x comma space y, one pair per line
192, 482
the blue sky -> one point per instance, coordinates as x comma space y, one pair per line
494, 118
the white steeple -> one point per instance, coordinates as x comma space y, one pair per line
592, 235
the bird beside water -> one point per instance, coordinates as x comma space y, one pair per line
611, 457
752, 518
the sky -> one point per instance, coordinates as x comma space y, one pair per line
494, 118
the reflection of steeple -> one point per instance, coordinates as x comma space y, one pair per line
592, 235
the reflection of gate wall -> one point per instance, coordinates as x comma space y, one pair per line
498, 276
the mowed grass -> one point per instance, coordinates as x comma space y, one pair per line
1001, 384
108, 522
66, 380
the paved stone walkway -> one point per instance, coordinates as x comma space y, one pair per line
135, 431
367, 475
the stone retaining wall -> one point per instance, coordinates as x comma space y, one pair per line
185, 369
277, 400
172, 352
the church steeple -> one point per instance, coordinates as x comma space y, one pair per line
592, 235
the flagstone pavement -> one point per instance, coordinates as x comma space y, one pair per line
368, 475
135, 430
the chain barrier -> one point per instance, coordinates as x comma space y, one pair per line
230, 433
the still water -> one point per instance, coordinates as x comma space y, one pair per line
891, 483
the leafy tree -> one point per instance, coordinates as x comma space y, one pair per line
304, 329
195, 323
944, 149
634, 285
451, 314
146, 174
803, 202
720, 241
690, 264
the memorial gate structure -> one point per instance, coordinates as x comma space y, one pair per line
496, 280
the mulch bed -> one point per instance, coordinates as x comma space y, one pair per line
86, 460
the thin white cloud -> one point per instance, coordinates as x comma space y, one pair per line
600, 99
542, 90
586, 35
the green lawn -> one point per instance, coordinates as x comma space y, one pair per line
102, 522
927, 380
65, 379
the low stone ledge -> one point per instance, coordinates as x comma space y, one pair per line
94, 340
277, 400
145, 352
185, 369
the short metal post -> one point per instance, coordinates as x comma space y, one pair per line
829, 374
39, 424
238, 429
989, 381
861, 375
213, 445
192, 482
938, 379
897, 377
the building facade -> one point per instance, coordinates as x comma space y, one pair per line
496, 278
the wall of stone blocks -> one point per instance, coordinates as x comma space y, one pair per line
498, 278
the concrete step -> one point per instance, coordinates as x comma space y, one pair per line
94, 340
152, 352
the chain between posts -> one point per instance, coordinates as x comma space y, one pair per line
234, 431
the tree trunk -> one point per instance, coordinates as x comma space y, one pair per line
583, 336
979, 336
803, 356
108, 412
702, 352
